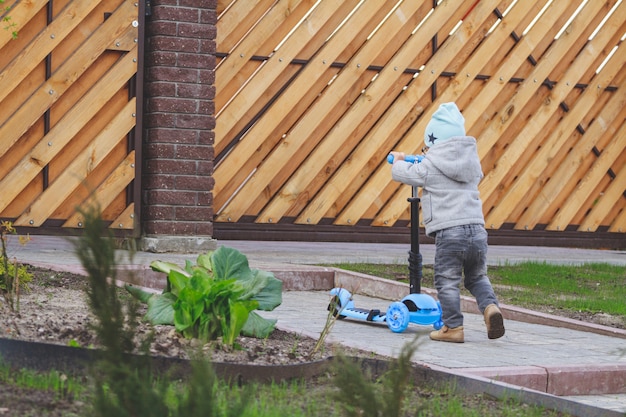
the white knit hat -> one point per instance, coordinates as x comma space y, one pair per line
446, 123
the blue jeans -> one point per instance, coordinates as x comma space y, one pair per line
461, 250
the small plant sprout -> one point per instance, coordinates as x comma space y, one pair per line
12, 275
9, 24
334, 313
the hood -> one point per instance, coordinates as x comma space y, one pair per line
457, 159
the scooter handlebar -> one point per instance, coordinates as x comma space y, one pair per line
411, 159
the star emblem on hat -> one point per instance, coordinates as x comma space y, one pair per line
432, 137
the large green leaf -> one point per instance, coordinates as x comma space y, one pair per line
161, 309
230, 263
178, 281
187, 309
257, 326
253, 286
271, 295
231, 327
166, 267
205, 261
139, 293
201, 281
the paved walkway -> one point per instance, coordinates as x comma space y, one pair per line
546, 358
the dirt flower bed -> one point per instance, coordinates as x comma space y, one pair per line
55, 310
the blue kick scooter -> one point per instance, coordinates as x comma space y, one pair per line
415, 308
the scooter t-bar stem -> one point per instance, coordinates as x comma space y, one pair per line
415, 257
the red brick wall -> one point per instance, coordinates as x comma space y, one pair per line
179, 118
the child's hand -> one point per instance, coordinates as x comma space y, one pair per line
395, 156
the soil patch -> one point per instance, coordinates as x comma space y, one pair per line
55, 311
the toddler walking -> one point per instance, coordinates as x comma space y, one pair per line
449, 175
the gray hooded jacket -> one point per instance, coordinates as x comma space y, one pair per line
449, 177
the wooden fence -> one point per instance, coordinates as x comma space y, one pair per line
68, 111
312, 95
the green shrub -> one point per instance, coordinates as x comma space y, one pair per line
214, 298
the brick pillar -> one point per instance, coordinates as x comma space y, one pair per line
179, 122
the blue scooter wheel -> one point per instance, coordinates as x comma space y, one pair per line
397, 317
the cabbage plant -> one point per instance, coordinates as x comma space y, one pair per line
214, 298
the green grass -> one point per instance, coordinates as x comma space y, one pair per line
314, 398
62, 385
592, 288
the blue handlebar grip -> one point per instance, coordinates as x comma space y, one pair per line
411, 159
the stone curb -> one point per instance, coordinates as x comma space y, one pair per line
562, 380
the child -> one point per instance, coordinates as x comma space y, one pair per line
452, 213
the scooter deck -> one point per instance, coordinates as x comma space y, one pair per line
364, 314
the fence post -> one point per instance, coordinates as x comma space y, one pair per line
179, 122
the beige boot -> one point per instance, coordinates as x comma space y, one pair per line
446, 334
494, 322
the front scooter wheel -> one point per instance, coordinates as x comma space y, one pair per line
397, 317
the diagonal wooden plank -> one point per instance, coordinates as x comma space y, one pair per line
78, 171
543, 28
126, 220
277, 65
613, 195
316, 119
405, 110
240, 18
452, 46
458, 84
619, 224
355, 173
525, 93
381, 180
589, 181
569, 170
240, 55
63, 132
267, 131
48, 39
307, 134
552, 146
52, 89
357, 122
106, 192
553, 196
21, 13
222, 5
265, 46
311, 82
484, 104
